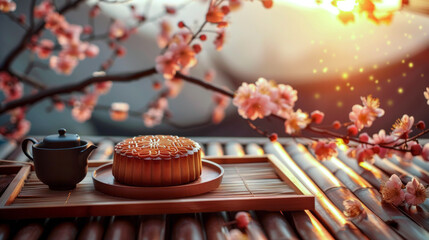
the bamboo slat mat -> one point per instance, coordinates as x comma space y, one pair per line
245, 186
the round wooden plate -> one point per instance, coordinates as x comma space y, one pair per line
210, 179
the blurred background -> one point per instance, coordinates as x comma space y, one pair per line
300, 43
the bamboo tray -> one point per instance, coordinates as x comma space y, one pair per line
249, 183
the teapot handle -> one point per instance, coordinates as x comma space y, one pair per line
25, 148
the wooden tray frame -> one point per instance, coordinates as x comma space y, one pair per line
291, 202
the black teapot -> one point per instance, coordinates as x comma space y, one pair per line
60, 161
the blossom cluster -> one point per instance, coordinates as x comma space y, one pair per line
179, 55
394, 192
68, 36
154, 115
83, 107
11, 87
383, 144
20, 125
264, 98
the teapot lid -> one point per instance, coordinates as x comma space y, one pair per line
62, 140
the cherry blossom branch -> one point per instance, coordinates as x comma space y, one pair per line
73, 87
33, 31
205, 84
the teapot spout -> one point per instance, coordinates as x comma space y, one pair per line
84, 154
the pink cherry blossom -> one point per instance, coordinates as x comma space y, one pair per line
214, 14
251, 103
353, 208
209, 75
21, 129
165, 35
119, 111
87, 29
153, 117
161, 103
325, 150
43, 9
220, 39
44, 49
221, 100
426, 94
183, 36
118, 30
402, 127
75, 50
81, 113
373, 105
364, 153
95, 11
234, 4
7, 6
167, 65
382, 139
183, 54
285, 97
175, 86
218, 114
103, 87
92, 50
265, 87
257, 106
69, 34
63, 64
361, 117
392, 192
296, 121
54, 21
10, 86
89, 100
59, 106
416, 193
243, 93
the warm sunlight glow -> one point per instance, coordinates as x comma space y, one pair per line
316, 163
352, 174
346, 5
369, 167
381, 7
325, 203
340, 144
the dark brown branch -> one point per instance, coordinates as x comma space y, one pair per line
204, 84
73, 87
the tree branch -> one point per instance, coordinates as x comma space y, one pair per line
204, 84
73, 87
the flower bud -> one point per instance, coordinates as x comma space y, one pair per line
317, 116
421, 125
336, 124
416, 150
352, 130
273, 137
